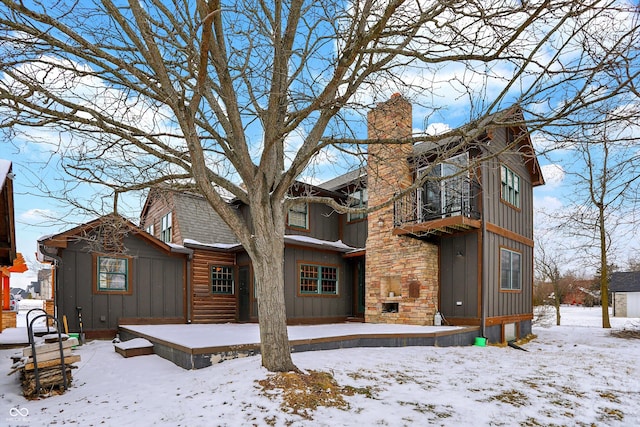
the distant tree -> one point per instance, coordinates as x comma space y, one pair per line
604, 174
547, 266
633, 264
239, 98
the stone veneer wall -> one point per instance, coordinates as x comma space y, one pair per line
401, 265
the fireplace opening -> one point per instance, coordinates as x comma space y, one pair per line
390, 307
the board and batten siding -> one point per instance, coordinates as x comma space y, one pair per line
459, 276
323, 224
508, 227
354, 233
208, 307
519, 221
157, 279
316, 307
508, 303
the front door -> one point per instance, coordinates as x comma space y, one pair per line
358, 287
243, 294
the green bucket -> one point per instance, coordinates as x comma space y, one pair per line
74, 335
481, 342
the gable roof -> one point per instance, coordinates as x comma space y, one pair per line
359, 174
510, 117
628, 281
61, 240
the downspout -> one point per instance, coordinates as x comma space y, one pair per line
485, 250
188, 296
57, 263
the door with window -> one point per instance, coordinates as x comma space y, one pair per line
446, 189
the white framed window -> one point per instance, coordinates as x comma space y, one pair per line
298, 216
358, 199
510, 270
165, 228
510, 188
150, 229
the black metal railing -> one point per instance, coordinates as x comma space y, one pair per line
459, 197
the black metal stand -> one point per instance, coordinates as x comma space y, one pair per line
33, 348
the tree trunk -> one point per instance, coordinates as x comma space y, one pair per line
604, 273
268, 266
557, 301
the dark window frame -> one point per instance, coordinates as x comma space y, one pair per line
99, 274
324, 278
222, 279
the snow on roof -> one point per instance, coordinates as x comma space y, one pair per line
338, 245
224, 246
5, 167
179, 248
310, 241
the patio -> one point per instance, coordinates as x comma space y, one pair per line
196, 346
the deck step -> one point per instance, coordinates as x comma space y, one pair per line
134, 347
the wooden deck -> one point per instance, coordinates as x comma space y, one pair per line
217, 343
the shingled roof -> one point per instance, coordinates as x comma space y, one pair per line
627, 281
198, 221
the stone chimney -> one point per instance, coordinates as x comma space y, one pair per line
401, 272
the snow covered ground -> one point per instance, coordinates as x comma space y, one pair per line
574, 375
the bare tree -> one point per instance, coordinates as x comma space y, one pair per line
605, 174
547, 266
228, 96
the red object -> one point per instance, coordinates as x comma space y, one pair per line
5, 292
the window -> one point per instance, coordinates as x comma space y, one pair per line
358, 199
222, 279
510, 191
298, 216
112, 274
318, 279
150, 229
510, 270
165, 230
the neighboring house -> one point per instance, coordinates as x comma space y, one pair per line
581, 292
461, 245
113, 273
625, 288
45, 283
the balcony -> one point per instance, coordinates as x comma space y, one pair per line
441, 208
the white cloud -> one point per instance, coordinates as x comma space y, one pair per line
554, 175
33, 215
547, 204
437, 128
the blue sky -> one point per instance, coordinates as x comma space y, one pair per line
38, 215
457, 94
